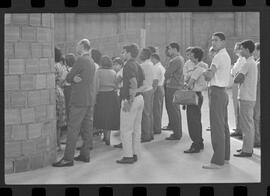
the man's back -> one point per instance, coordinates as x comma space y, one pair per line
83, 92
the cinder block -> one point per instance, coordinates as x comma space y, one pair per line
8, 132
29, 147
28, 34
11, 83
40, 113
44, 65
12, 117
34, 98
27, 82
16, 66
32, 66
36, 49
49, 157
36, 161
47, 128
12, 33
51, 112
46, 50
21, 164
7, 19
9, 50
18, 132
34, 130
50, 81
45, 97
18, 99
28, 115
40, 81
35, 19
12, 149
46, 20
20, 18
9, 164
52, 96
44, 35
22, 50
41, 144
7, 101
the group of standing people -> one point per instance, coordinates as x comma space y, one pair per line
126, 93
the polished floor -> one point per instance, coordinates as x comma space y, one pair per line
160, 161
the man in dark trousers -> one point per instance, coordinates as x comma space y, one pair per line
81, 105
219, 77
174, 79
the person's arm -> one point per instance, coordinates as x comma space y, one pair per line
76, 70
209, 73
97, 81
240, 77
173, 66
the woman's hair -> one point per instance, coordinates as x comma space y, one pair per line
57, 55
96, 55
118, 60
70, 59
106, 62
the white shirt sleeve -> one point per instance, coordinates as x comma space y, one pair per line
216, 61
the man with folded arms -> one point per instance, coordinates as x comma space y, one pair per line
247, 79
219, 77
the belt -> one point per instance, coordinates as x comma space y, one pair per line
219, 87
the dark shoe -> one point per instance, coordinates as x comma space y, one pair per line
236, 134
135, 157
118, 145
243, 154
257, 145
157, 133
192, 150
83, 159
166, 128
146, 140
63, 163
79, 148
126, 160
172, 137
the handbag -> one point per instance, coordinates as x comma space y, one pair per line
185, 97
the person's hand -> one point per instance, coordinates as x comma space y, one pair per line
207, 75
77, 79
126, 106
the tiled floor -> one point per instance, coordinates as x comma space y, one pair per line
160, 161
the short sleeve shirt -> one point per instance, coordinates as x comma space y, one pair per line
247, 90
159, 72
222, 61
188, 68
130, 70
197, 75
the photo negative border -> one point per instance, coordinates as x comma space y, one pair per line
103, 6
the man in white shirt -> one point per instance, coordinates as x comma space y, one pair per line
159, 93
148, 95
247, 78
219, 77
234, 71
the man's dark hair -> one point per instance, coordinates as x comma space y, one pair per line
152, 49
70, 59
175, 45
57, 55
257, 45
145, 54
133, 49
96, 55
197, 53
248, 44
221, 35
155, 56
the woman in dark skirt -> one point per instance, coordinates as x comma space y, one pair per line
107, 108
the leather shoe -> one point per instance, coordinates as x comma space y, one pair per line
135, 157
243, 154
172, 137
146, 140
166, 128
192, 150
235, 134
63, 163
118, 145
83, 159
126, 160
157, 133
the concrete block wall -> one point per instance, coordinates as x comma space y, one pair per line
30, 117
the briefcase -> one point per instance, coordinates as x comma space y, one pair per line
185, 97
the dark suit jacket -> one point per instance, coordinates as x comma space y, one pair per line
82, 93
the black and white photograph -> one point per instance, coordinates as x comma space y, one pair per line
132, 98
